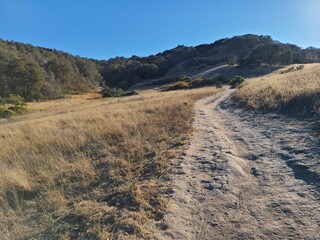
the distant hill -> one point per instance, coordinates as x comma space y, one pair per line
247, 52
41, 73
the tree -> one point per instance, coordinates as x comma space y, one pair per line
236, 81
232, 60
148, 71
24, 78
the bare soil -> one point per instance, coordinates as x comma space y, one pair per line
245, 175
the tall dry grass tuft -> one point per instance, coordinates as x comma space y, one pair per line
98, 170
296, 92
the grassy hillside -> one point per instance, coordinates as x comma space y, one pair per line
89, 168
293, 90
37, 73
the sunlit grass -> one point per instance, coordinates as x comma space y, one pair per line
294, 92
89, 168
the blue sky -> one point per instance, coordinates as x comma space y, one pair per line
103, 28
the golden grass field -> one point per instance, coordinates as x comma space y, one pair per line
90, 168
296, 92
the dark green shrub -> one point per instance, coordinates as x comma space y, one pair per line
300, 67
292, 69
236, 81
116, 92
185, 78
2, 101
219, 85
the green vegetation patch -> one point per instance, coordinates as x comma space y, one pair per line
14, 105
292, 69
237, 81
116, 92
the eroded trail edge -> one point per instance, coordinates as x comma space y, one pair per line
245, 176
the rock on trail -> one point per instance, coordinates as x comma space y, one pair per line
246, 176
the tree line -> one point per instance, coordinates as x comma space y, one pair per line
37, 73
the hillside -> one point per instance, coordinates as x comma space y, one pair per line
294, 90
37, 73
88, 167
91, 168
247, 55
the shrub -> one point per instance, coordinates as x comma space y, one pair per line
300, 67
2, 101
292, 69
198, 82
232, 60
193, 83
116, 92
178, 85
6, 113
18, 108
219, 85
130, 93
15, 99
185, 78
236, 81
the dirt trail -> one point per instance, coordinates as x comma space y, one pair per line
245, 176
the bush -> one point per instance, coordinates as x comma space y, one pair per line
292, 69
18, 109
236, 81
222, 80
2, 101
178, 85
198, 82
116, 92
232, 60
219, 85
18, 106
6, 113
184, 78
300, 67
15, 99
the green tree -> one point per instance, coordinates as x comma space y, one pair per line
24, 78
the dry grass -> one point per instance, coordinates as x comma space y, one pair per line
85, 168
296, 92
194, 83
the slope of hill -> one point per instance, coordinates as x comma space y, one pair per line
39, 73
87, 168
247, 53
294, 90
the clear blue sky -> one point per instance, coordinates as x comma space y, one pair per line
103, 28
